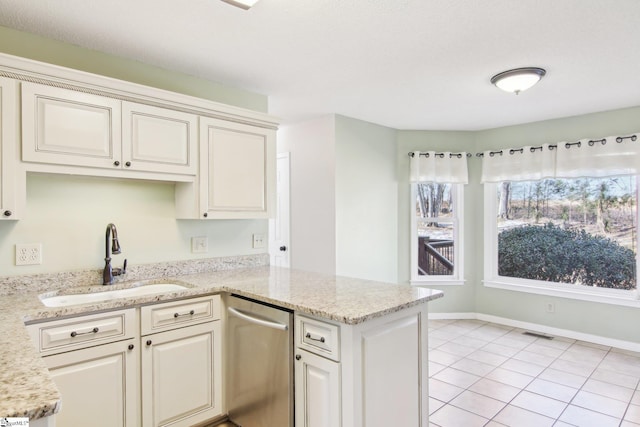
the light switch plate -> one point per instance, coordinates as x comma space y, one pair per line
29, 254
199, 245
258, 241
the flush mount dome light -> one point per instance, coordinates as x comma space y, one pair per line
518, 79
243, 4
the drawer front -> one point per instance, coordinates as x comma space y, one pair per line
176, 314
318, 337
80, 332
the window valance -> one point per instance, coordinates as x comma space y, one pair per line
445, 167
611, 156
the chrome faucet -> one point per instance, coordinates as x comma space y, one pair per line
108, 273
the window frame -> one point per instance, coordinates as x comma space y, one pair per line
457, 278
493, 280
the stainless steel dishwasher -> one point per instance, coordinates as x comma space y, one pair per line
259, 364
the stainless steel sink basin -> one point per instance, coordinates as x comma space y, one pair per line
76, 299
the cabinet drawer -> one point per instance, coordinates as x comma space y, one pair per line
80, 332
318, 337
176, 314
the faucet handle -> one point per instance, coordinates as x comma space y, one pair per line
120, 271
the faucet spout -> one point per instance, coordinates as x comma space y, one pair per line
109, 272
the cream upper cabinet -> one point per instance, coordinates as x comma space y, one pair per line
158, 139
61, 126
237, 170
8, 144
67, 127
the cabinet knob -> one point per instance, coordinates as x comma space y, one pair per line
116, 163
298, 357
149, 342
283, 248
205, 214
7, 213
128, 164
131, 346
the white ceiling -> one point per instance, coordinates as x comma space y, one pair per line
407, 64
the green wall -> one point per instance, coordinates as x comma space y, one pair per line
38, 48
69, 214
366, 200
605, 320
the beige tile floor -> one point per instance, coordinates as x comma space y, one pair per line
485, 374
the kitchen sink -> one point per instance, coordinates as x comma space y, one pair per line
76, 299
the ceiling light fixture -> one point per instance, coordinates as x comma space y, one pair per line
518, 79
243, 4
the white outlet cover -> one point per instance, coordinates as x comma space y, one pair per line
258, 241
29, 254
199, 245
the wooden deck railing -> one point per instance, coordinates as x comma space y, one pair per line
435, 257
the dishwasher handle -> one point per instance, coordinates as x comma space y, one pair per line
257, 321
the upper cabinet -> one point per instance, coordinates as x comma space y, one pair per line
8, 144
158, 139
57, 120
237, 175
67, 127
237, 170
61, 126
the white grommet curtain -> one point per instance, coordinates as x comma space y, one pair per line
445, 167
593, 158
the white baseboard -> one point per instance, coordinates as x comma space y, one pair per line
547, 330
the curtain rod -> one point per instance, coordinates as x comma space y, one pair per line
512, 151
441, 155
591, 143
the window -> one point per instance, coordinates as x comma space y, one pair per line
575, 236
436, 248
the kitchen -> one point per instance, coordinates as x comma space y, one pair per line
143, 209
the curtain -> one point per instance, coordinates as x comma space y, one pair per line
445, 168
611, 156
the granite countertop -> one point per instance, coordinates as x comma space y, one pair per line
27, 390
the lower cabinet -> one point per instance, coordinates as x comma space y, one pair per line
99, 385
373, 374
180, 376
317, 391
158, 365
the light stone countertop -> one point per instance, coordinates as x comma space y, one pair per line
27, 390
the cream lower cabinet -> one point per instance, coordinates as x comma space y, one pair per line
317, 391
94, 362
157, 365
99, 385
373, 374
237, 171
181, 367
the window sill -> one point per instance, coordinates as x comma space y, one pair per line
628, 299
453, 282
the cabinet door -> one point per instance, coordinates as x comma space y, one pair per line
317, 388
8, 144
66, 127
159, 140
181, 376
237, 170
99, 385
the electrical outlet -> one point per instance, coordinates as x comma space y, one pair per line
199, 245
29, 254
258, 241
550, 307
